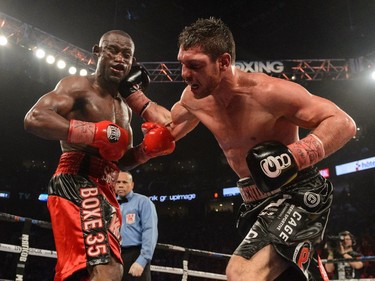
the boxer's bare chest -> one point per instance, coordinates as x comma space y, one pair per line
96, 108
239, 125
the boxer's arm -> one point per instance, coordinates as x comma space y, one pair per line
183, 121
46, 118
330, 124
132, 89
157, 114
274, 164
327, 121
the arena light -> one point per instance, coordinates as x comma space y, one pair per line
3, 40
40, 53
61, 64
83, 72
50, 59
373, 75
72, 70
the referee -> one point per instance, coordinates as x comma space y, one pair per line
139, 230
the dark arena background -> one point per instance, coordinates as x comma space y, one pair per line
327, 46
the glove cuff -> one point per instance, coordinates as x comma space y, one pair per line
81, 132
138, 102
140, 155
307, 151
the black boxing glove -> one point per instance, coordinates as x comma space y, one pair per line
273, 165
132, 86
137, 79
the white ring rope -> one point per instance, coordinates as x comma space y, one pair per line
164, 269
184, 271
31, 251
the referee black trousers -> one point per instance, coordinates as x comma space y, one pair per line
129, 256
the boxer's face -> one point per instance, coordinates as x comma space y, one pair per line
115, 57
199, 71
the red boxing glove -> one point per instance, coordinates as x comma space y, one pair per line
157, 140
110, 139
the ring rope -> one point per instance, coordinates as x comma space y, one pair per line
13, 218
363, 259
157, 268
193, 251
184, 271
31, 251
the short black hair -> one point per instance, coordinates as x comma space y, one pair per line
212, 35
115, 31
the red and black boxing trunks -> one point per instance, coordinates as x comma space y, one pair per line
85, 215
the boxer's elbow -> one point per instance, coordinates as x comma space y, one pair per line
34, 120
351, 127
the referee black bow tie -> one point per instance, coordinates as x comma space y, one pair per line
122, 200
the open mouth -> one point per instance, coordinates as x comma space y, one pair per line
118, 67
194, 86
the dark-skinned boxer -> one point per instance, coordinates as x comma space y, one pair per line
91, 117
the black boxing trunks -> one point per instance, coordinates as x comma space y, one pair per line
293, 220
85, 215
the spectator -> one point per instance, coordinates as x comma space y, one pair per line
341, 247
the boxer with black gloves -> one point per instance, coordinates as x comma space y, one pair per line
92, 122
273, 165
255, 119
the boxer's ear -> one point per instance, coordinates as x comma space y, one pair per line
96, 50
224, 61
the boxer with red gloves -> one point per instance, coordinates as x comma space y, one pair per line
92, 121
